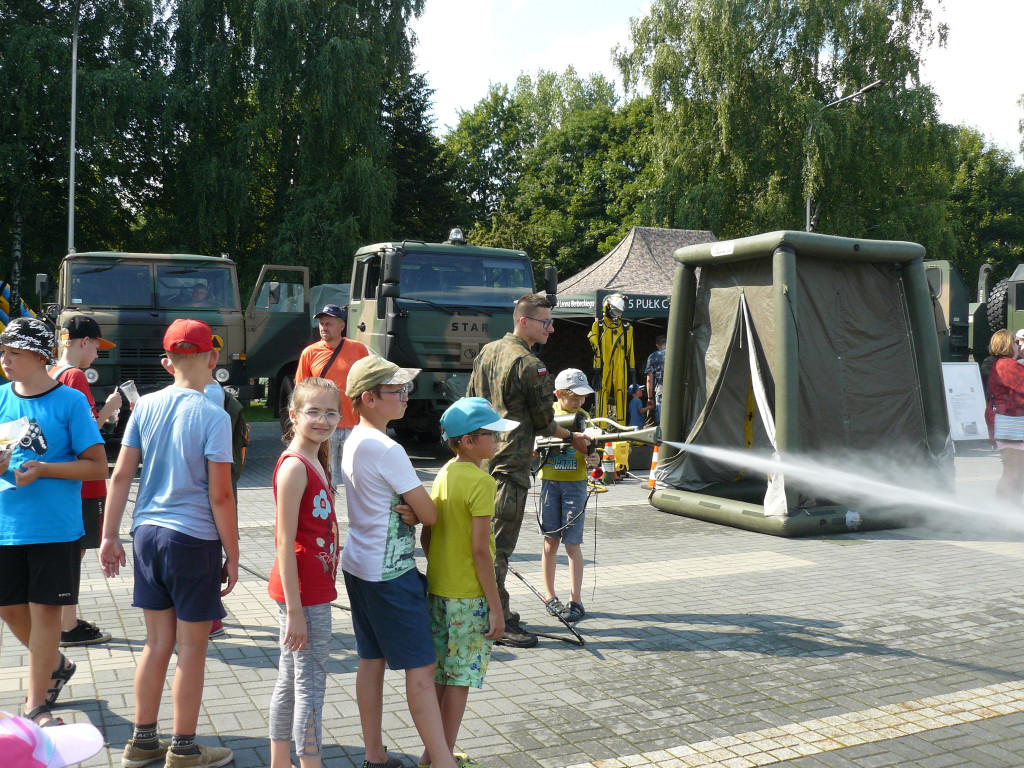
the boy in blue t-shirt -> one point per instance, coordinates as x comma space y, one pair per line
40, 505
184, 515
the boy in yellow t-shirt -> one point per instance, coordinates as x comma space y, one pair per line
465, 609
563, 500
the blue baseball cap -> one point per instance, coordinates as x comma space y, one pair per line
470, 414
333, 310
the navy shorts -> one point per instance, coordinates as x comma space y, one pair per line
46, 574
391, 620
562, 506
175, 570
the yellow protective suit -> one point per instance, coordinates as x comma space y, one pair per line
612, 344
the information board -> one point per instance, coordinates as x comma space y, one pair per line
965, 401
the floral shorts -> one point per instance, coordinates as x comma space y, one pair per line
458, 625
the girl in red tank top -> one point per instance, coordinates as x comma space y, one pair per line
303, 577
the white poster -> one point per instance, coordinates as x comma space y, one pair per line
965, 401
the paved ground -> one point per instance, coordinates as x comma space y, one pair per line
705, 645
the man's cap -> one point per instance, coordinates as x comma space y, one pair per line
23, 744
31, 334
1020, 334
185, 330
334, 311
470, 414
82, 327
372, 371
574, 380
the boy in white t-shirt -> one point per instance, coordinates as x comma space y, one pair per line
387, 593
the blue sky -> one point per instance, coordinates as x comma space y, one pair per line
467, 44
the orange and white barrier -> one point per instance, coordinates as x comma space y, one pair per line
654, 466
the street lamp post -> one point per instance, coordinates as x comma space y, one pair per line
810, 133
74, 103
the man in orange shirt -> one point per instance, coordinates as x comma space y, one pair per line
330, 358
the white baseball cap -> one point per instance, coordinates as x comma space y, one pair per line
1020, 334
574, 380
23, 744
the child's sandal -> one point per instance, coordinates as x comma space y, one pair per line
554, 606
58, 679
43, 709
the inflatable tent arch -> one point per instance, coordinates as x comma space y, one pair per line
792, 342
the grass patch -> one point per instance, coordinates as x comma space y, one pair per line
257, 412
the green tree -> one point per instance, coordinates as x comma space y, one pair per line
553, 166
121, 48
986, 207
740, 82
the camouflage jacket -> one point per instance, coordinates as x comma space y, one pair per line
518, 385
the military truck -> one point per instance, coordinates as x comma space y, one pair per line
433, 306
135, 296
950, 302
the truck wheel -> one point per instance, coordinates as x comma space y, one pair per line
997, 306
284, 395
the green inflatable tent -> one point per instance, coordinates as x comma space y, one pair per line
792, 343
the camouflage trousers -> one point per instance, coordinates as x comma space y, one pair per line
509, 508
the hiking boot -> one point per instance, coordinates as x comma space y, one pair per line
84, 633
517, 637
208, 757
136, 757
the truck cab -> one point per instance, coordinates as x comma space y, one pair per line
135, 296
433, 306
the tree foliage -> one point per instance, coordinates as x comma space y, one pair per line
741, 82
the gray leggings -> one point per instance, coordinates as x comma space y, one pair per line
297, 705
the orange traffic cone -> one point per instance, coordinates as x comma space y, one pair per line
654, 466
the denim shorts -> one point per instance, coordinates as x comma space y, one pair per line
391, 620
458, 625
562, 507
175, 570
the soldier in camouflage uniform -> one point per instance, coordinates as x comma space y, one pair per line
517, 384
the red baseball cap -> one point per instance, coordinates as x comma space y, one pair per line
189, 331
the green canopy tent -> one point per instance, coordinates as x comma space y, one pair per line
790, 343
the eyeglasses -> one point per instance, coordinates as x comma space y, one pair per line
332, 417
548, 324
403, 392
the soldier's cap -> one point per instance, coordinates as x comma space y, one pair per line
373, 371
574, 380
185, 330
470, 414
82, 327
29, 746
334, 311
31, 334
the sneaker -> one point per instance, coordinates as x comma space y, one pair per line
84, 633
517, 637
136, 757
554, 606
208, 757
573, 612
217, 628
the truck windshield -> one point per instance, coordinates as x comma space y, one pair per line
202, 285
465, 280
111, 284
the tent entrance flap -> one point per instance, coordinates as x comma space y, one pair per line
738, 413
